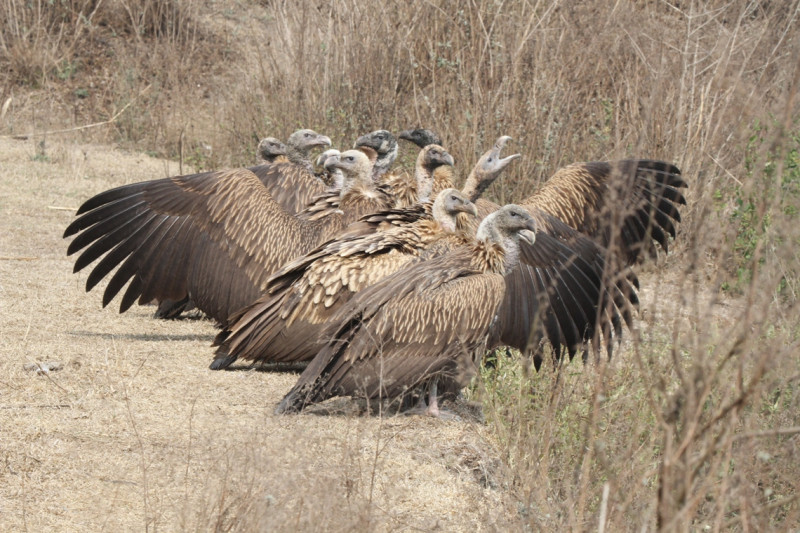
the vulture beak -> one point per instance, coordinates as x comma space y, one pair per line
362, 141
528, 236
529, 233
324, 156
498, 147
332, 162
447, 159
322, 140
470, 208
405, 135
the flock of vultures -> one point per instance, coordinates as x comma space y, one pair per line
391, 285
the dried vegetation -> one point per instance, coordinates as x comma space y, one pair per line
692, 425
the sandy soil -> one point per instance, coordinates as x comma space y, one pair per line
134, 432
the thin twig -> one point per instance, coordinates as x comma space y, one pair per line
25, 136
43, 406
769, 433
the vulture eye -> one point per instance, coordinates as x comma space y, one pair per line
349, 158
308, 135
490, 160
453, 198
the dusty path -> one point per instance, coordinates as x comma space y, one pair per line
134, 432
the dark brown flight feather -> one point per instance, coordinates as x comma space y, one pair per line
215, 238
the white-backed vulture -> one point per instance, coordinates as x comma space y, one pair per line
426, 181
421, 137
213, 238
284, 324
385, 145
293, 184
271, 150
434, 320
333, 178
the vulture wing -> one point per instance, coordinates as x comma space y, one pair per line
430, 319
213, 237
639, 197
558, 291
283, 324
291, 185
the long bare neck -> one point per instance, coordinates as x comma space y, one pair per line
299, 157
475, 185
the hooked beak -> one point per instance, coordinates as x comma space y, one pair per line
470, 208
325, 156
405, 135
332, 161
498, 147
323, 140
528, 235
447, 159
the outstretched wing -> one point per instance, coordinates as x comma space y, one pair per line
625, 204
291, 185
561, 292
214, 237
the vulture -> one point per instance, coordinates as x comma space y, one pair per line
271, 150
421, 137
333, 178
385, 145
293, 183
638, 197
434, 320
214, 238
426, 181
284, 324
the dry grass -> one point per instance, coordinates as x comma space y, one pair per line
691, 426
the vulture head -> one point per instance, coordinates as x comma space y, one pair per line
449, 203
488, 168
336, 176
385, 144
429, 159
301, 142
506, 227
269, 148
421, 137
355, 166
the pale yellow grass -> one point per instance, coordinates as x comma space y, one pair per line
135, 433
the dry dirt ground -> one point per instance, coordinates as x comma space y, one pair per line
134, 432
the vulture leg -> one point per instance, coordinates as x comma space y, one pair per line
433, 399
431, 407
